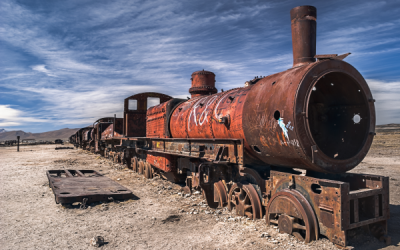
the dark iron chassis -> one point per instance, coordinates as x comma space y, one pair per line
305, 205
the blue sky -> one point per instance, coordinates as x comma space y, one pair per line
67, 63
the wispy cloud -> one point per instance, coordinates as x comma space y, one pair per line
42, 68
10, 117
71, 62
387, 99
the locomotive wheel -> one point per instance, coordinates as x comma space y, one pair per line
291, 212
141, 167
134, 164
220, 194
148, 171
244, 198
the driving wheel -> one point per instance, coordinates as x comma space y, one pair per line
148, 170
291, 212
245, 200
220, 194
134, 164
141, 167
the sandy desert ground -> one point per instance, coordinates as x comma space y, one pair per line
159, 217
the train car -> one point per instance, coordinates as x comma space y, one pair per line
72, 139
82, 137
99, 126
280, 146
86, 137
132, 125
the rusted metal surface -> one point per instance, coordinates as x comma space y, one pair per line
148, 171
110, 132
293, 214
98, 128
304, 34
302, 117
163, 162
221, 193
244, 198
306, 119
71, 186
216, 150
158, 117
212, 116
240, 147
203, 83
336, 200
156, 120
134, 124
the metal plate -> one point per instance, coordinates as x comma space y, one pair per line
71, 186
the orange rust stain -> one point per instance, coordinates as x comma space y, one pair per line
283, 137
264, 141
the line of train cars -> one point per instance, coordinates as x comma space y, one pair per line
279, 147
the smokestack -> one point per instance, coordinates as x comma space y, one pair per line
304, 34
203, 83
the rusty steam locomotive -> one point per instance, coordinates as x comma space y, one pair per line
280, 146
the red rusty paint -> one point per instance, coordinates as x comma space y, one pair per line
201, 117
134, 124
161, 161
284, 108
155, 121
108, 133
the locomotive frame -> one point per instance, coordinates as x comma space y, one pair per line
302, 190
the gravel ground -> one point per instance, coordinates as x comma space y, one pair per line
159, 217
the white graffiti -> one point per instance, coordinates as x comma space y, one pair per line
217, 116
293, 142
289, 126
204, 114
283, 127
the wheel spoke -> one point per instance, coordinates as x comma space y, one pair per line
298, 236
273, 221
246, 199
298, 226
247, 207
249, 214
302, 223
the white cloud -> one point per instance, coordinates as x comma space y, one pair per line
11, 117
387, 99
118, 49
42, 68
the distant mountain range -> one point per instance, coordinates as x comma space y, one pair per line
62, 134
2, 130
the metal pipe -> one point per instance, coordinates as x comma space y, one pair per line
18, 143
115, 118
304, 34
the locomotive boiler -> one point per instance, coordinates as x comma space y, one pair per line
317, 115
280, 146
